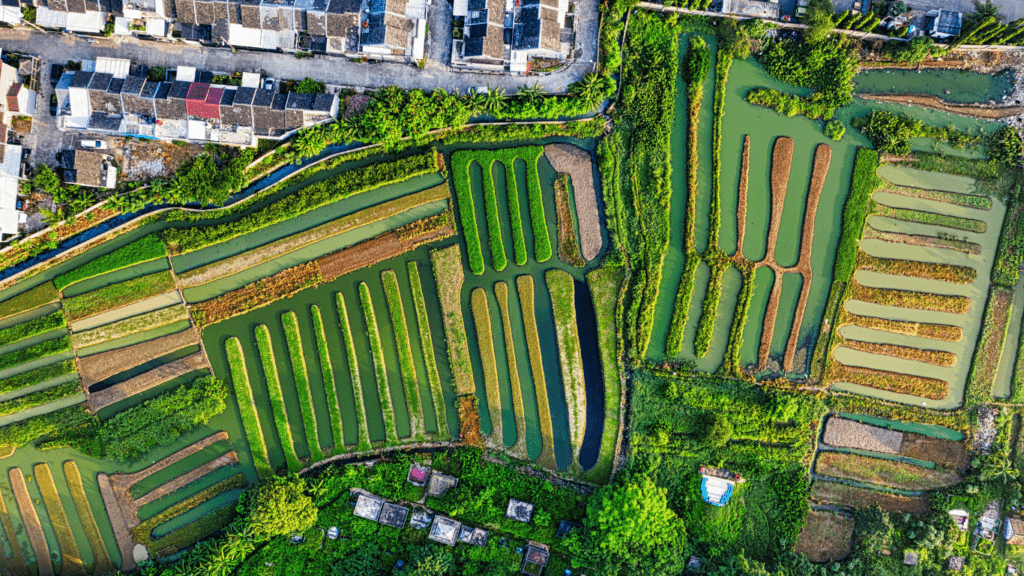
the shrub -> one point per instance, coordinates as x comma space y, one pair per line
41, 350
1005, 146
25, 431
835, 129
862, 185
117, 295
890, 133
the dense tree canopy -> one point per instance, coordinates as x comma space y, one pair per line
279, 506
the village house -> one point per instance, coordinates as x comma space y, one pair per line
499, 35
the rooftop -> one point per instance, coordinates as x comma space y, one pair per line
440, 483
368, 506
393, 515
519, 510
445, 530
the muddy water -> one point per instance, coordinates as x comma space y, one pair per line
1003, 386
952, 85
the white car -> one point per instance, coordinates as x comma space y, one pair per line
97, 144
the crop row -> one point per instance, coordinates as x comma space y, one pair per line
406, 364
922, 329
709, 307
41, 350
681, 307
862, 185
605, 287
129, 326
379, 367
488, 363
525, 289
568, 244
98, 367
117, 295
29, 300
839, 494
909, 299
184, 537
929, 270
19, 332
387, 245
40, 398
142, 250
37, 376
345, 185
33, 528
277, 407
330, 385
930, 218
70, 556
913, 385
25, 431
722, 66
427, 349
561, 289
985, 365
101, 560
518, 449
260, 293
1010, 252
883, 472
301, 377
731, 363
247, 407
515, 216
936, 357
467, 212
447, 264
493, 219
955, 198
353, 369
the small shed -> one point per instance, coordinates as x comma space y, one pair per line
961, 518
440, 483
1014, 531
535, 558
911, 558
956, 563
417, 474
368, 506
565, 528
519, 510
475, 536
445, 530
421, 519
393, 515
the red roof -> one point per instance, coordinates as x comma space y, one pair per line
417, 474
197, 102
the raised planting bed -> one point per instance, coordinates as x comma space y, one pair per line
17, 561
37, 376
489, 365
327, 372
427, 349
40, 398
518, 449
182, 538
955, 198
929, 218
605, 287
29, 300
125, 482
493, 218
577, 162
247, 407
839, 494
99, 367
36, 351
561, 289
256, 256
19, 332
909, 299
277, 406
985, 365
147, 381
936, 357
883, 472
932, 388
70, 557
681, 307
20, 433
515, 215
467, 211
260, 293
929, 270
129, 326
406, 364
949, 454
447, 264
525, 289
386, 246
30, 520
353, 370
843, 433
298, 360
825, 537
117, 295
101, 559
142, 250
925, 330
862, 186
709, 307
949, 242
345, 185
181, 481
568, 245
379, 366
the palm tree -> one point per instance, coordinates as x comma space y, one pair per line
592, 89
494, 99
474, 102
530, 93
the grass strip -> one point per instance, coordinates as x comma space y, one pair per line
353, 370
247, 407
29, 300
883, 472
327, 372
498, 258
935, 331
562, 290
448, 275
955, 198
117, 295
406, 363
681, 307
525, 289
839, 494
39, 398
862, 185
345, 185
461, 162
16, 563
379, 367
488, 363
37, 376
41, 350
931, 388
427, 349
142, 250
935, 357
929, 218
30, 520
101, 559
518, 449
143, 533
914, 268
909, 299
258, 294
277, 407
568, 243
731, 362
605, 286
129, 326
709, 307
20, 433
515, 214
985, 365
291, 333
70, 556
19, 332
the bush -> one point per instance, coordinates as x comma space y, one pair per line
142, 250
115, 295
911, 52
862, 186
278, 507
890, 133
835, 130
1005, 146
826, 66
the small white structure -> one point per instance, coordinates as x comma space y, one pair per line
368, 506
519, 510
445, 530
961, 518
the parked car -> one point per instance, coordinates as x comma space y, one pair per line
97, 144
53, 104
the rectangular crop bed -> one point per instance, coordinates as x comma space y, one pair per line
129, 326
924, 387
909, 299
561, 289
298, 361
277, 406
142, 250
883, 472
117, 295
840, 494
447, 264
363, 440
99, 367
29, 300
406, 364
147, 381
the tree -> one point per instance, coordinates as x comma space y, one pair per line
1005, 146
982, 11
719, 432
46, 180
309, 142
630, 527
732, 38
278, 506
819, 21
432, 562
310, 86
592, 89
530, 93
494, 99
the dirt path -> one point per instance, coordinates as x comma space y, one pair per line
16, 563
782, 161
123, 537
31, 521
984, 111
768, 330
229, 459
741, 203
921, 240
146, 381
126, 481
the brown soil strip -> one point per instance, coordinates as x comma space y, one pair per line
782, 160
922, 240
123, 536
378, 249
935, 357
822, 161
883, 472
741, 204
839, 494
141, 383
931, 388
229, 459
16, 563
260, 293
825, 537
30, 519
126, 481
909, 299
985, 111
843, 433
770, 314
924, 330
955, 198
99, 367
578, 163
946, 453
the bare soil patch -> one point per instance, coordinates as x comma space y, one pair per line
145, 159
843, 433
838, 494
825, 537
141, 383
99, 367
126, 481
741, 205
122, 535
30, 519
578, 163
260, 293
384, 247
883, 472
568, 246
936, 357
946, 453
973, 110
